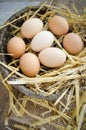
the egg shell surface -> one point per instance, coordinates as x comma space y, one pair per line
31, 27
42, 40
29, 64
58, 25
52, 57
16, 46
73, 43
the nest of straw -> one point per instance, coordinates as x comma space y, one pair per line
65, 86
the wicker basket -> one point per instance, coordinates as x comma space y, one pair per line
5, 35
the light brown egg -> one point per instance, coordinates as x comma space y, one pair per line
31, 27
16, 47
58, 25
73, 43
52, 57
42, 40
29, 64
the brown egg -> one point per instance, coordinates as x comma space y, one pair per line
52, 57
16, 46
58, 25
31, 27
73, 43
29, 64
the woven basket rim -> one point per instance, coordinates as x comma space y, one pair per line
5, 72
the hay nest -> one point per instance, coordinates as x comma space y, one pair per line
65, 86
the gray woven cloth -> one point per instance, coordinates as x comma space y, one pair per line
4, 105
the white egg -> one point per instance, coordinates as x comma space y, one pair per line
42, 40
52, 57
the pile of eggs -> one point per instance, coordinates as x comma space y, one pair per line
42, 43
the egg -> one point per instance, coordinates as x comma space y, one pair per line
58, 25
52, 57
31, 27
42, 40
29, 64
16, 46
73, 43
